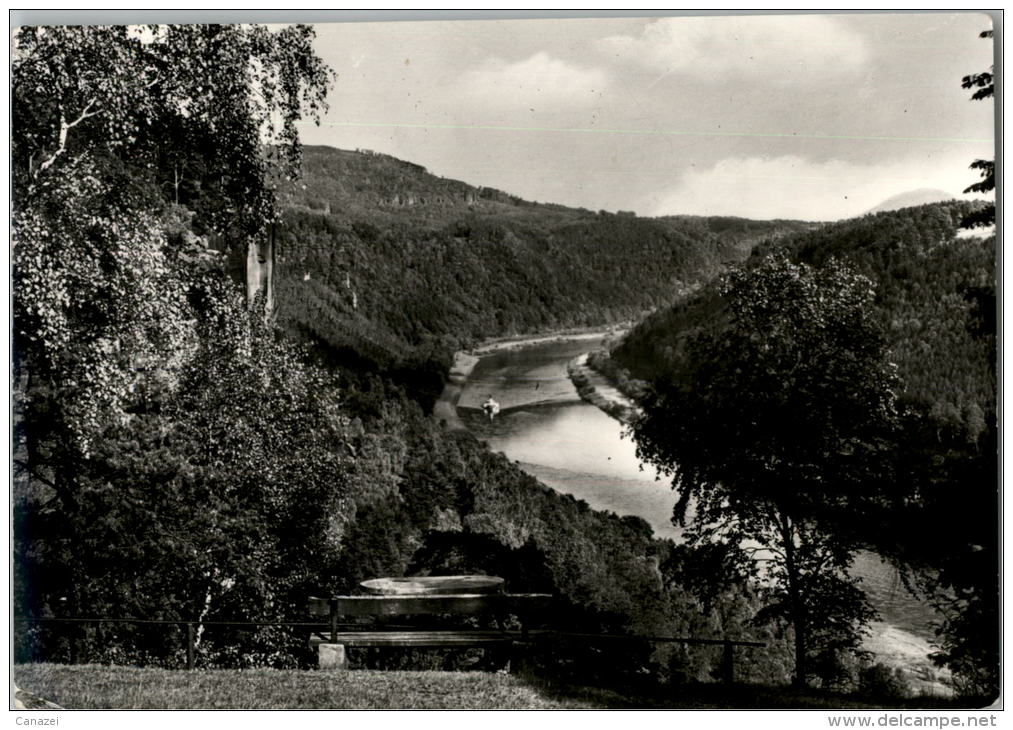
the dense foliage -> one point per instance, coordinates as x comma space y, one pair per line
165, 442
781, 413
193, 507
935, 301
208, 112
983, 84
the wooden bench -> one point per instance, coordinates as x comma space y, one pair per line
424, 600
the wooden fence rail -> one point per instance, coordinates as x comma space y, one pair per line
727, 658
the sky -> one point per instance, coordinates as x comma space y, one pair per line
816, 117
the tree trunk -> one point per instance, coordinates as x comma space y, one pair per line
795, 603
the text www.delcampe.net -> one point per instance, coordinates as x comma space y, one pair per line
908, 720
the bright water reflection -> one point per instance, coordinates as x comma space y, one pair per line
567, 444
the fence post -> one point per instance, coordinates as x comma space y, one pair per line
334, 621
190, 646
728, 663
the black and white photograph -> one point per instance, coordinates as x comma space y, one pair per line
506, 360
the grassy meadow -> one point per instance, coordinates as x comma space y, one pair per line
98, 687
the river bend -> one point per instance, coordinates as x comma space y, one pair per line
577, 449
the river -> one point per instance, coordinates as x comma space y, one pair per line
577, 449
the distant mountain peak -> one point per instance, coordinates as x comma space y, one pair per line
921, 196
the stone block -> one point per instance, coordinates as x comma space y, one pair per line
331, 656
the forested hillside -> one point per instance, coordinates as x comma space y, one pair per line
932, 301
378, 259
429, 500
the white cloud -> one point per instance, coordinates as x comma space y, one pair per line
794, 187
783, 49
538, 82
